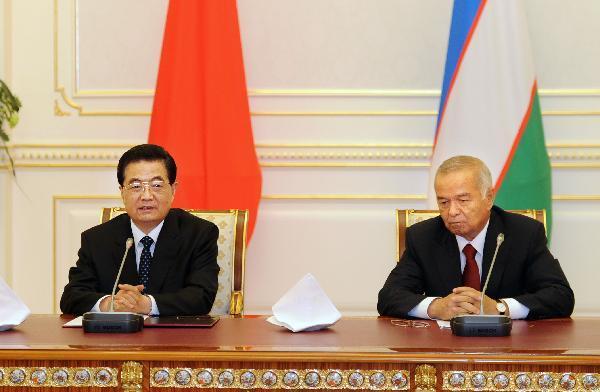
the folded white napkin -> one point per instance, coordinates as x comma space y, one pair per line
12, 310
305, 307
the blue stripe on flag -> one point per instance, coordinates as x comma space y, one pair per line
463, 16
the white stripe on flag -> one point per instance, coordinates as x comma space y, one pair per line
491, 93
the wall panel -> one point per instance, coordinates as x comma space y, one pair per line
5, 218
72, 214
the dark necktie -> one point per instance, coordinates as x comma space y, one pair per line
471, 272
145, 260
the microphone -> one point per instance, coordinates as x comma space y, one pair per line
482, 324
128, 245
114, 321
499, 241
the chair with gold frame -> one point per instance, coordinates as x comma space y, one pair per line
231, 258
406, 218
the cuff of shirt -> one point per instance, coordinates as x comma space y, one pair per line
154, 311
96, 307
420, 310
517, 310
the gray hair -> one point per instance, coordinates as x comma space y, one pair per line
466, 162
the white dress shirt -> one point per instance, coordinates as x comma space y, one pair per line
138, 246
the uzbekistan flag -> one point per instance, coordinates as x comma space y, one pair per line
489, 106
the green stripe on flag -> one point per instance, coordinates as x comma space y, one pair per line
528, 182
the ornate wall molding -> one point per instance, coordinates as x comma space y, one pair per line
385, 155
412, 93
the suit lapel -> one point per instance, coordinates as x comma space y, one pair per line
495, 227
448, 259
165, 253
129, 274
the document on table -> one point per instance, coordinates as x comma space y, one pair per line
13, 311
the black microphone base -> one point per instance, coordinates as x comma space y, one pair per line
112, 322
481, 325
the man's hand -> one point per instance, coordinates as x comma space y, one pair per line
462, 300
128, 299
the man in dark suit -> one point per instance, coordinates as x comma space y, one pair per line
172, 269
443, 269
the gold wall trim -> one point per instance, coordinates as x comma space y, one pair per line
343, 92
571, 113
400, 145
576, 197
343, 197
563, 155
345, 164
113, 93
562, 197
344, 145
575, 165
65, 165
346, 113
71, 145
398, 113
568, 92
567, 144
58, 111
108, 165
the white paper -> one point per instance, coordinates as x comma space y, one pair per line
443, 324
305, 307
77, 322
13, 311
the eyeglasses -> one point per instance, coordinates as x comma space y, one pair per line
156, 186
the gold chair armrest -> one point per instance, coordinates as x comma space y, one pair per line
236, 306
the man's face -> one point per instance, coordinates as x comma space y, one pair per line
146, 193
463, 208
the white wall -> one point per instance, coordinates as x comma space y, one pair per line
343, 95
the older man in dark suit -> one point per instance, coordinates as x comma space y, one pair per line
440, 273
172, 269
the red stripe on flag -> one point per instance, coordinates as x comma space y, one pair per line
518, 137
458, 66
201, 113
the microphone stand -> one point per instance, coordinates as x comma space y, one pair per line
114, 321
483, 324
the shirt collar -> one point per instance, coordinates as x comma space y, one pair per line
478, 242
138, 234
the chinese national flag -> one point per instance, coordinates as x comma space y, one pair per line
200, 112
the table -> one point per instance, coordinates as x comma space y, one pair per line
249, 353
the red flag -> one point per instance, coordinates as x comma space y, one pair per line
201, 113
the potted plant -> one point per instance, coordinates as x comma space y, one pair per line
9, 109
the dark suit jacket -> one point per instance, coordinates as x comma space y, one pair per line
183, 273
525, 269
